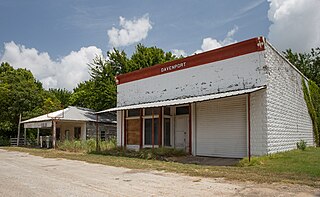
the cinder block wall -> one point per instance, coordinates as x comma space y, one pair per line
288, 120
258, 121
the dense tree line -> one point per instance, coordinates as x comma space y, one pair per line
21, 93
100, 91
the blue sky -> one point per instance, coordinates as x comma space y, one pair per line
56, 39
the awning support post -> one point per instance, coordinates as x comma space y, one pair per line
249, 129
38, 136
54, 134
141, 129
190, 130
97, 134
25, 136
152, 131
125, 131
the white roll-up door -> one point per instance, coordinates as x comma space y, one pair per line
221, 127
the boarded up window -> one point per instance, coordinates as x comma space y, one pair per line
133, 130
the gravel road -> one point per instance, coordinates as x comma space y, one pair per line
22, 174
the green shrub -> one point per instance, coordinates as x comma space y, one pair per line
312, 98
146, 153
72, 146
109, 144
4, 141
85, 145
302, 145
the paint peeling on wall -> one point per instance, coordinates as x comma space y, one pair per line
242, 72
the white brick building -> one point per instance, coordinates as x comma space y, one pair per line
239, 100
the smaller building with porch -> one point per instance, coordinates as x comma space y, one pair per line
74, 123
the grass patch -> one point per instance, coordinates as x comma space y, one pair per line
298, 167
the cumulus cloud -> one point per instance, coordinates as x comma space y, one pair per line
66, 72
178, 52
211, 43
295, 24
130, 31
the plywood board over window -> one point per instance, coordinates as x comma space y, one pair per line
133, 131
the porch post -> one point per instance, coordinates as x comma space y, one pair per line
97, 134
18, 136
160, 128
54, 134
25, 136
141, 129
125, 130
121, 126
152, 130
249, 129
38, 135
190, 130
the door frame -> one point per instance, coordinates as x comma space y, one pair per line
186, 136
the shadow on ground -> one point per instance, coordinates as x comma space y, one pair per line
208, 161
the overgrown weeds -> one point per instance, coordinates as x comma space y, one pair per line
86, 146
146, 153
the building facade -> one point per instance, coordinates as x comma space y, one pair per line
74, 123
236, 101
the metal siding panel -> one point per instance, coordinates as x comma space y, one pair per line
185, 100
221, 127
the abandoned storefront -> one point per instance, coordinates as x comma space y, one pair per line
236, 101
73, 123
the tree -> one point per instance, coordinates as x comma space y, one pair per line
307, 63
148, 56
100, 91
62, 95
22, 94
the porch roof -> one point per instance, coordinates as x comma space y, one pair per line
184, 100
70, 113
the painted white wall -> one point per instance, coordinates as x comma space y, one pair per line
70, 126
84, 131
119, 127
288, 120
258, 123
236, 73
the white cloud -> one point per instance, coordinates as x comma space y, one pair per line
178, 52
211, 43
66, 72
295, 24
130, 31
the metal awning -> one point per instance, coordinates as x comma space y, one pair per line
184, 100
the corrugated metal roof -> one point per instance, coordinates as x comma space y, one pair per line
184, 100
73, 114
